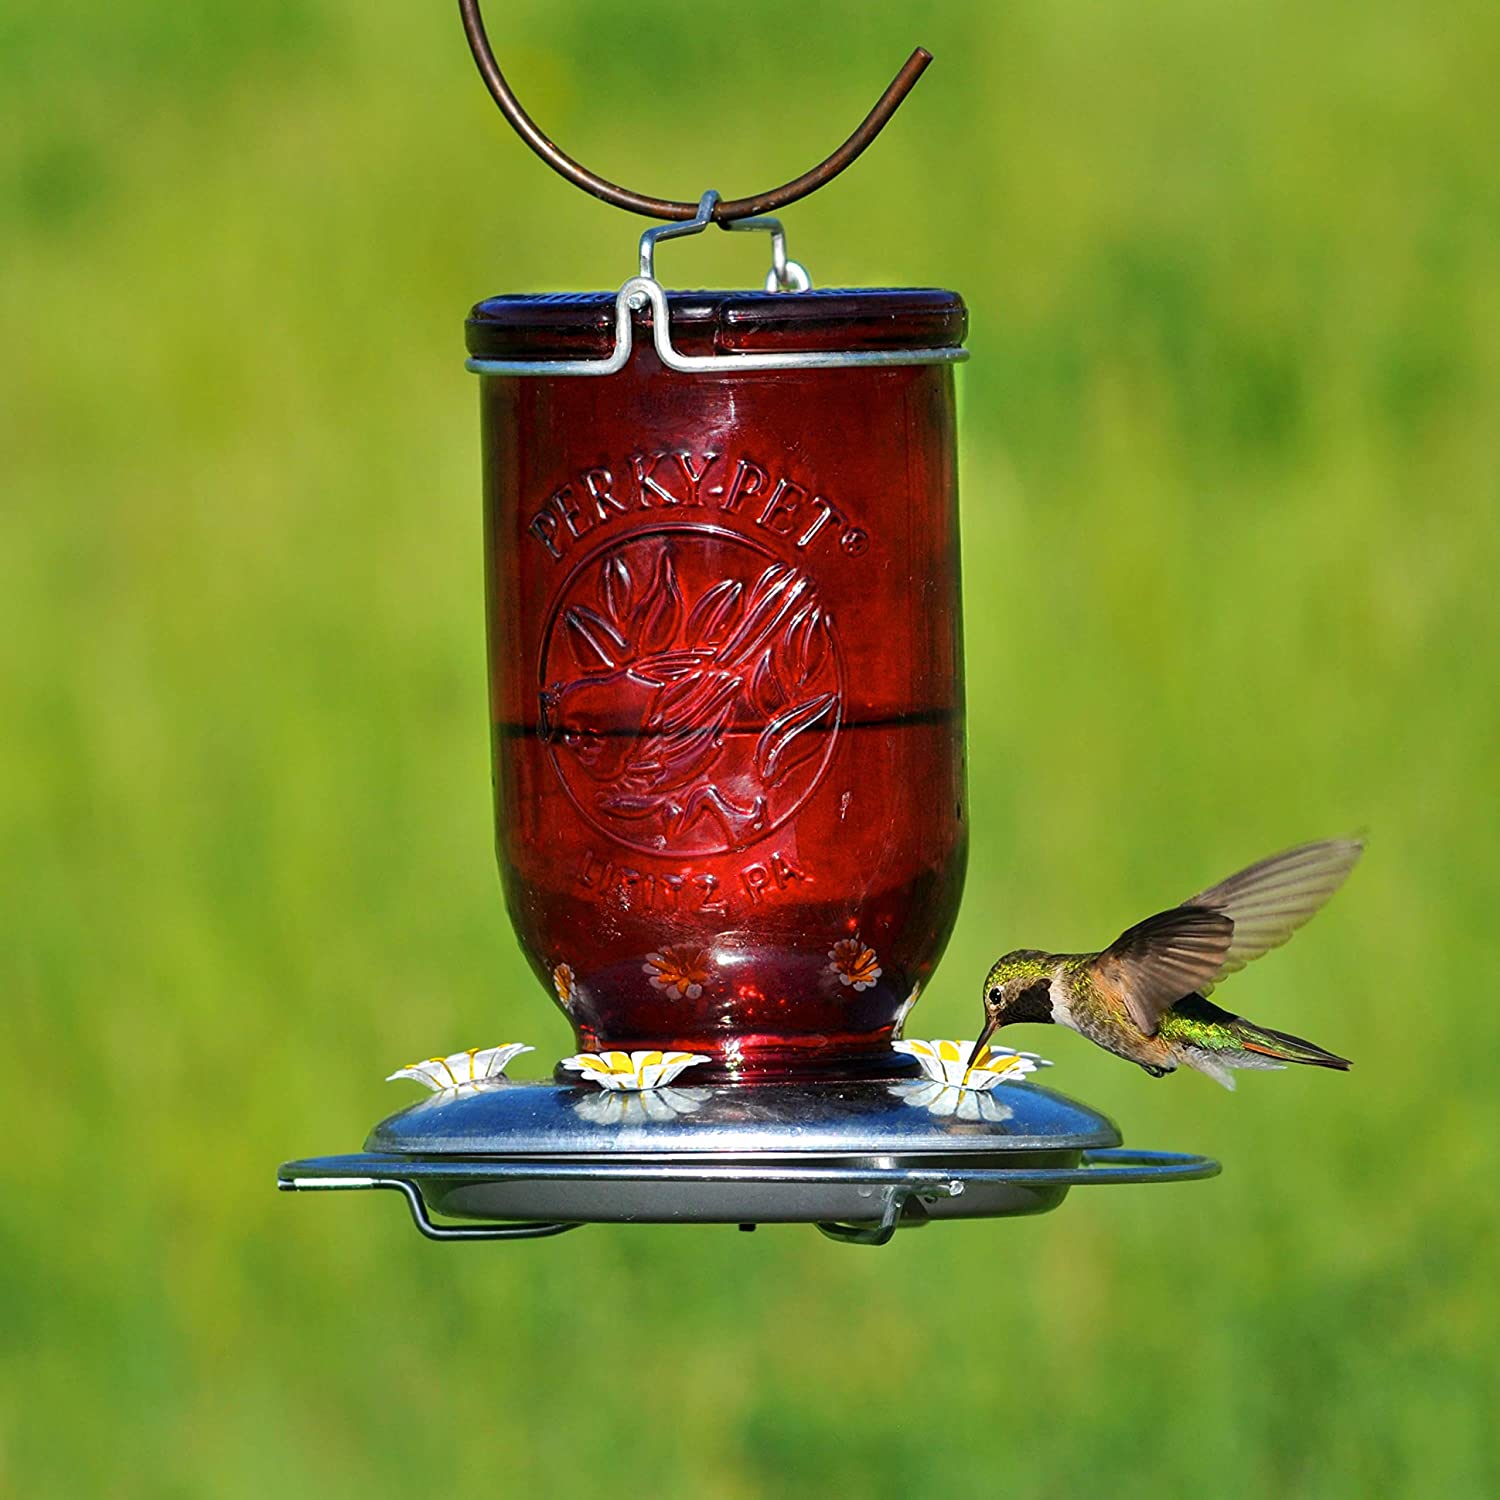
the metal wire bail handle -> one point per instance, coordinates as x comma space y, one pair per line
644, 290
784, 276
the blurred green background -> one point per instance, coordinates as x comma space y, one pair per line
1230, 484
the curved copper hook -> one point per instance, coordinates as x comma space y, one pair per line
668, 208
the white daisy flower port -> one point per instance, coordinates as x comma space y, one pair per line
631, 1071
945, 1061
462, 1071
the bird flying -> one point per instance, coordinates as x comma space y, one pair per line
1145, 997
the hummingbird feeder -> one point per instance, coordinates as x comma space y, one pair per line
727, 713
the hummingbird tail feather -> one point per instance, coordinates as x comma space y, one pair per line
1214, 1041
1261, 1041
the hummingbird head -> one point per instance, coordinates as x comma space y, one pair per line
1017, 988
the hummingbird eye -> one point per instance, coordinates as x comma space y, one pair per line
995, 995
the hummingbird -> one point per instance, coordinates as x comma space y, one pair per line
1145, 997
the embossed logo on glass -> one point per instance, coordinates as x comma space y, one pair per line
690, 690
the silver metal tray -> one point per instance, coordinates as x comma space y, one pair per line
857, 1160
911, 1116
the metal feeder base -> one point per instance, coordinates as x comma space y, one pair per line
857, 1160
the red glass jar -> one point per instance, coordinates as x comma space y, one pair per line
725, 669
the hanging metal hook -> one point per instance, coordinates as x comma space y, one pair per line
669, 208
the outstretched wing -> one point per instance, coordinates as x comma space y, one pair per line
1152, 965
1271, 899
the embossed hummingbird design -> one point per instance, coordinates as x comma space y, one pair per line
661, 686
1145, 997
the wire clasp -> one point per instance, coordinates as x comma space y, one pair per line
784, 276
644, 291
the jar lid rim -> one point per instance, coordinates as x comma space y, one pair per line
560, 325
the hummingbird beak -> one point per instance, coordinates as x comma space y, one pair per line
989, 1030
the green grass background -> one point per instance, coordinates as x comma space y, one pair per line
1231, 437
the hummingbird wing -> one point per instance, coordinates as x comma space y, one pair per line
1271, 899
1151, 966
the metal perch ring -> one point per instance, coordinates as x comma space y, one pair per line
669, 208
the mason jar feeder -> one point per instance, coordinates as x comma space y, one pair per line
727, 719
